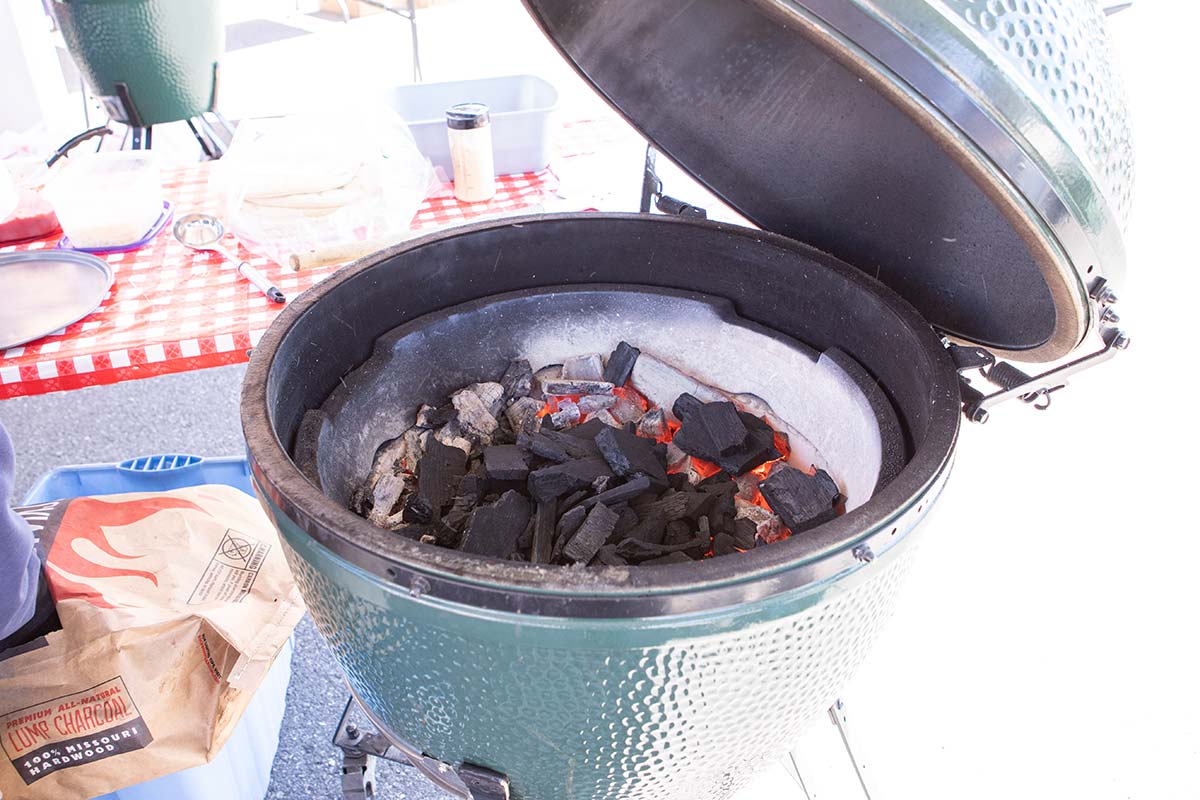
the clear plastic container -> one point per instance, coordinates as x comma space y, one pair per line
107, 199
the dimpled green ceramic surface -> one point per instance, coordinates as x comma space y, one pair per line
686, 706
165, 50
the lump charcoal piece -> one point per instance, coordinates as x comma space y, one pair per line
768, 526
517, 380
474, 417
494, 529
651, 528
592, 534
587, 430
723, 545
603, 415
653, 424
452, 436
802, 501
744, 533
567, 415
558, 446
679, 505
596, 402
569, 522
684, 405
438, 474
758, 450
570, 501
562, 386
629, 455
549, 372
505, 462
677, 460
678, 532
620, 364
522, 415
620, 494
601, 484
543, 532
588, 367
607, 555
724, 427
397, 455
384, 496
627, 409
429, 417
559, 479
628, 521
525, 540
418, 510
747, 486
491, 394
517, 556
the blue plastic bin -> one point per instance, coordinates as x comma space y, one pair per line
242, 770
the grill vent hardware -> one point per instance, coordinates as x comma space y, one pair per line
1036, 390
360, 749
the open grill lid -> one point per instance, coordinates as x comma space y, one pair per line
943, 146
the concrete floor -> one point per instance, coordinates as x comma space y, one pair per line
1044, 646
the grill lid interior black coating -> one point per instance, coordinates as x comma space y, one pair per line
801, 145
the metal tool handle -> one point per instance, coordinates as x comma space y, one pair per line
264, 285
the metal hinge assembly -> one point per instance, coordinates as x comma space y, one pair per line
361, 747
1035, 389
652, 193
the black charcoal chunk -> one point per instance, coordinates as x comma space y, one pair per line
565, 504
522, 415
802, 501
525, 540
505, 462
629, 454
621, 494
569, 522
544, 521
627, 522
684, 405
744, 531
620, 363
438, 474
711, 430
607, 555
495, 528
418, 510
651, 528
436, 417
558, 446
559, 479
563, 386
653, 424
680, 505
678, 532
587, 430
592, 534
723, 545
517, 380
589, 367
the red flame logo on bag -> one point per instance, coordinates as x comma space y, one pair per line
85, 520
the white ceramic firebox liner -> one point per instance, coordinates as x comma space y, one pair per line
828, 419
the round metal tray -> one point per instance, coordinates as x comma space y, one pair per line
47, 290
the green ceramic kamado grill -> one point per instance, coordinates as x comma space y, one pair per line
938, 187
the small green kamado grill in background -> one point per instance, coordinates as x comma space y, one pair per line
150, 62
934, 191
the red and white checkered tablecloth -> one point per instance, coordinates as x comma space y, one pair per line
173, 310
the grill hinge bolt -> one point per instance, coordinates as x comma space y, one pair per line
1109, 316
864, 553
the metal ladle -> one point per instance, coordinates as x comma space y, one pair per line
204, 232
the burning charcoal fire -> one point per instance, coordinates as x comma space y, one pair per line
573, 464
